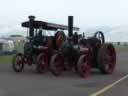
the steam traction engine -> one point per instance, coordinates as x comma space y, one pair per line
83, 54
60, 52
39, 47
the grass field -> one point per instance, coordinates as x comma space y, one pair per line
8, 59
121, 48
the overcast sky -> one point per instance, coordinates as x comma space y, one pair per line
87, 13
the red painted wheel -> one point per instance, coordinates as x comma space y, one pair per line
107, 58
83, 67
57, 64
18, 62
42, 63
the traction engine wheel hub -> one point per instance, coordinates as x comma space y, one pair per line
57, 64
83, 66
18, 62
42, 63
107, 58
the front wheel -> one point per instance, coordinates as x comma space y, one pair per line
83, 67
57, 64
18, 62
42, 63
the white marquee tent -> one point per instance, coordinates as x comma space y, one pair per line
6, 46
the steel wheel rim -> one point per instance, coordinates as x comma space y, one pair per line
43, 63
18, 62
110, 59
59, 63
85, 67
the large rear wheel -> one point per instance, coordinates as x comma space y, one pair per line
18, 62
106, 58
57, 64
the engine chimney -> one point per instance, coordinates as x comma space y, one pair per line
70, 26
31, 28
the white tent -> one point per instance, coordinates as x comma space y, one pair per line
6, 46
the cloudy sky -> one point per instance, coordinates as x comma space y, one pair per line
90, 15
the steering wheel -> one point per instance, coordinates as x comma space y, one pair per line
99, 35
59, 38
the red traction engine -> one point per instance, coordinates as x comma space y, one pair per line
83, 54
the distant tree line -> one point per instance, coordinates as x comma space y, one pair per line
122, 43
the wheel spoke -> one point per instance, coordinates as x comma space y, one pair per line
42, 63
57, 64
83, 67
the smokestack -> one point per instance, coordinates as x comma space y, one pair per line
70, 26
31, 28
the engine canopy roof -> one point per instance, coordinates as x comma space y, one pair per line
47, 25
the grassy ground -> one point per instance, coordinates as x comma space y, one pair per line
121, 48
8, 58
19, 47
